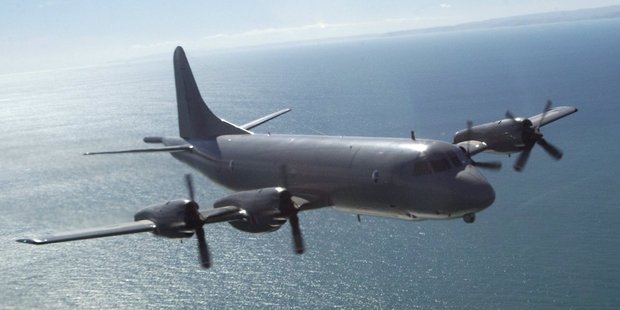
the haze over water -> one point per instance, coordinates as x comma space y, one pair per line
549, 240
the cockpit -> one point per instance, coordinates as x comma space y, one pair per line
436, 160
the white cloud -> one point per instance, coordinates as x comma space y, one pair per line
373, 26
318, 30
445, 5
45, 4
155, 45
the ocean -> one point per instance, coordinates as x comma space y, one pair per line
550, 240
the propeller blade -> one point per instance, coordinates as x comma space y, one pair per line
550, 149
298, 241
189, 183
470, 124
522, 160
545, 110
491, 165
194, 220
203, 250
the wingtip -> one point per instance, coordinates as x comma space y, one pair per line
30, 241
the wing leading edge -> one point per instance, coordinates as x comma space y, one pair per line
115, 230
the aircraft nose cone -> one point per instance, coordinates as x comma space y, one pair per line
473, 190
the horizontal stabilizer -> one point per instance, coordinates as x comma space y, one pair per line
168, 149
263, 119
121, 229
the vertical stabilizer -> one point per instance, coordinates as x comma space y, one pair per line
195, 118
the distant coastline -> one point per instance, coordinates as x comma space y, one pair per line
607, 12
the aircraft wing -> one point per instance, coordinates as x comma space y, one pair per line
263, 119
551, 116
223, 214
121, 229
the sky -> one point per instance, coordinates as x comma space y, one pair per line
45, 34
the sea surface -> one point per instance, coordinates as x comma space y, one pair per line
551, 239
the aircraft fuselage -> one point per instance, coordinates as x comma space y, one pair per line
389, 177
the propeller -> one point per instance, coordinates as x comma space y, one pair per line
298, 241
291, 211
531, 135
195, 221
490, 165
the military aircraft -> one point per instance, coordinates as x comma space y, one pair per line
274, 177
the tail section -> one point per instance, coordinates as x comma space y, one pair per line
195, 118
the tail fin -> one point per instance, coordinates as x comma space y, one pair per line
195, 118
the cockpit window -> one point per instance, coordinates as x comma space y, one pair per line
456, 161
421, 168
440, 164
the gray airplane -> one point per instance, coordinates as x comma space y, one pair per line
274, 177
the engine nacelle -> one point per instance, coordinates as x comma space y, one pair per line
267, 209
169, 218
503, 136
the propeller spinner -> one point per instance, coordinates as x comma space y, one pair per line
531, 135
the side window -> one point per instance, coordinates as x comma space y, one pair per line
421, 168
375, 176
